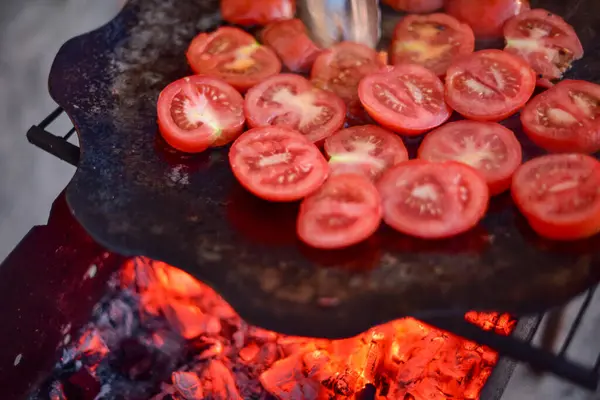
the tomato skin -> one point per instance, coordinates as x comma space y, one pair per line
534, 198
423, 119
580, 134
233, 46
415, 6
477, 107
280, 145
363, 212
486, 17
257, 12
199, 139
416, 36
291, 43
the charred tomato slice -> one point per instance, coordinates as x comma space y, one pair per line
291, 43
197, 112
486, 17
234, 56
291, 101
345, 211
277, 164
433, 41
559, 195
257, 12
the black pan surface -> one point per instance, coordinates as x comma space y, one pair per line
137, 196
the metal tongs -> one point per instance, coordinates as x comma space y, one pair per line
331, 21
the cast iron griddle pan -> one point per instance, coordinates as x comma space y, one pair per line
137, 196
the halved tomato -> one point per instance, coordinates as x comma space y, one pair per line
291, 101
433, 41
489, 85
488, 147
368, 150
559, 195
277, 164
405, 98
545, 41
433, 200
486, 17
257, 12
234, 56
415, 6
290, 41
340, 68
345, 211
565, 118
197, 112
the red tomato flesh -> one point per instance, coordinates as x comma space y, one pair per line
486, 17
197, 112
559, 196
415, 6
340, 68
433, 41
345, 211
291, 101
291, 43
277, 164
257, 12
405, 98
545, 41
433, 200
489, 85
490, 148
234, 56
565, 118
367, 150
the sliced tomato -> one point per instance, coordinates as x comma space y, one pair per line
489, 85
257, 12
488, 147
345, 211
405, 98
234, 56
340, 68
415, 6
368, 150
433, 200
559, 196
486, 17
277, 164
545, 41
290, 41
197, 112
565, 118
433, 41
291, 101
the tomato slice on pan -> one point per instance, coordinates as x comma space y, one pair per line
489, 85
415, 6
545, 40
345, 211
488, 147
486, 17
197, 112
234, 56
368, 150
257, 12
277, 164
290, 41
340, 68
405, 98
433, 41
559, 196
565, 118
291, 101
433, 200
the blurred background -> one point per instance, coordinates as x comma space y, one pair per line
31, 32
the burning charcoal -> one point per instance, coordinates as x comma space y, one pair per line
133, 359
57, 392
189, 320
218, 382
82, 385
249, 353
207, 347
188, 385
286, 381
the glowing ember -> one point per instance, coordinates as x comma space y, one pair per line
162, 333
